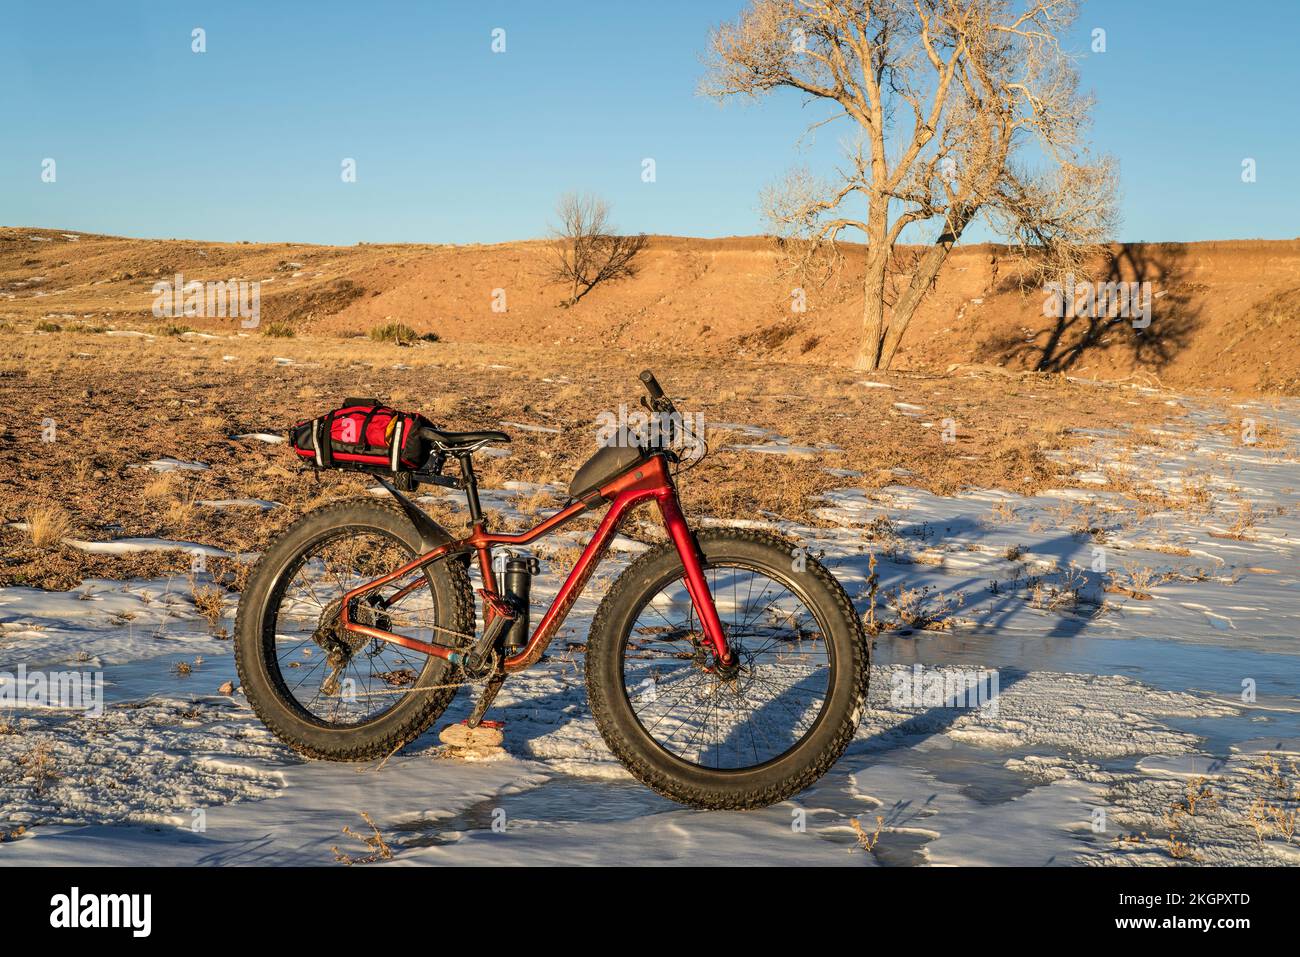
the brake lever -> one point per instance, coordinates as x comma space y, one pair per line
661, 409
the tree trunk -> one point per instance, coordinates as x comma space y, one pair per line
927, 270
873, 291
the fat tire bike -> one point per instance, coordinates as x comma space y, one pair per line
725, 667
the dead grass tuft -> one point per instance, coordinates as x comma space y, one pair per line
209, 601
47, 525
39, 764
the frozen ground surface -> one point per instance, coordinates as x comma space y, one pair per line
1146, 713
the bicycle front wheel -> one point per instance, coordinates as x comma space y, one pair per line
739, 738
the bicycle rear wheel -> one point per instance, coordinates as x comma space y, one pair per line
325, 691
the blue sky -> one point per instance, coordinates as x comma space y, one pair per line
456, 144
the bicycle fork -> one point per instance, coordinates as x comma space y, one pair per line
697, 585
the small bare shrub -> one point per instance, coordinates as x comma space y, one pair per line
379, 849
38, 762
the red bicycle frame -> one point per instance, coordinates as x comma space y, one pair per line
647, 479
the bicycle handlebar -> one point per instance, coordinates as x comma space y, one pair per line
651, 384
663, 408
659, 401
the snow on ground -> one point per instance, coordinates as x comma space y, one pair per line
1146, 705
260, 503
266, 437
169, 464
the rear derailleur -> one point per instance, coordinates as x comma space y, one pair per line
340, 645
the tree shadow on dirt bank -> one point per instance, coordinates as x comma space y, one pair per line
1107, 327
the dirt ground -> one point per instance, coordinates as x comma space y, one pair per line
126, 442
1225, 315
94, 386
84, 414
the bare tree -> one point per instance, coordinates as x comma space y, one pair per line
587, 251
962, 110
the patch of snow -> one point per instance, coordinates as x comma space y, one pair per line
261, 503
169, 464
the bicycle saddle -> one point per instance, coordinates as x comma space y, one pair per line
461, 440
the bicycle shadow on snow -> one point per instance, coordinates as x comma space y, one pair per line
556, 707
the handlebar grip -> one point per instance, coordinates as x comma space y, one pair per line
651, 384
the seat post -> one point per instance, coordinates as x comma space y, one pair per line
468, 480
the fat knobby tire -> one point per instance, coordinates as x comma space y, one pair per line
692, 784
416, 711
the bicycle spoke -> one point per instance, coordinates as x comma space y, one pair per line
728, 718
339, 677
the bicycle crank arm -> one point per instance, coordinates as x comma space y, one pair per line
478, 657
485, 699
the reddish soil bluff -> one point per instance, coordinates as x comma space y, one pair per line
1224, 314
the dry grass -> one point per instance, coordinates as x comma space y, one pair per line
1199, 794
47, 525
1247, 518
921, 608
1258, 433
209, 601
1265, 803
400, 334
561, 556
1135, 580
189, 401
379, 849
1195, 496
159, 486
1276, 812
1003, 513
870, 621
540, 502
1062, 593
1180, 850
180, 510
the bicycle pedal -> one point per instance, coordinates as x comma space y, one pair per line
461, 736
